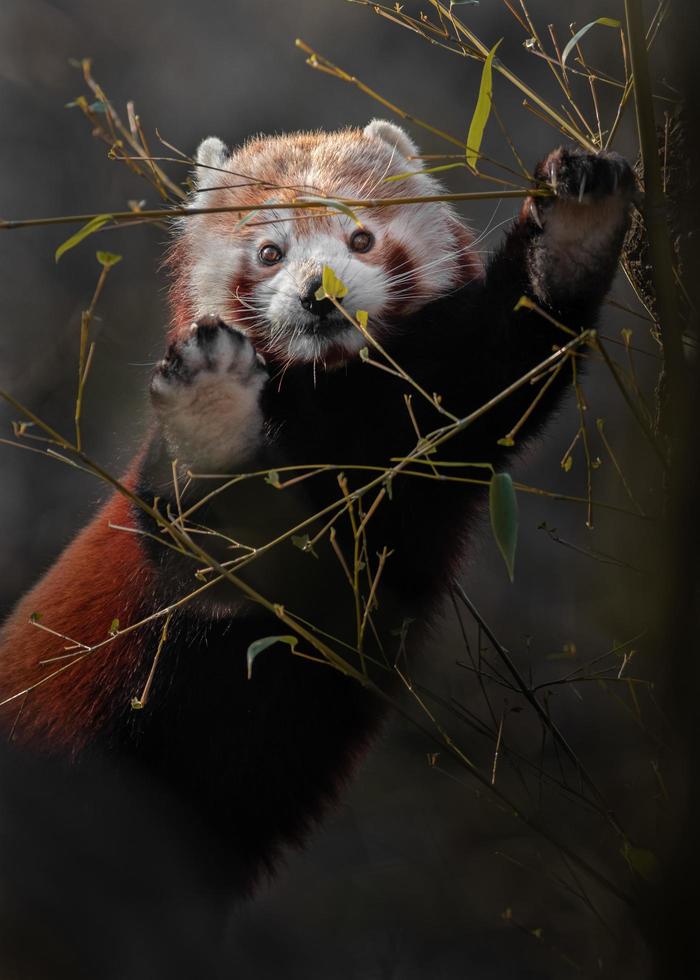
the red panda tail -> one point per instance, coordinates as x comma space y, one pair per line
58, 700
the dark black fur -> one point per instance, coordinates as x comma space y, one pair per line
256, 761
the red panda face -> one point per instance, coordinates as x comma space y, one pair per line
262, 269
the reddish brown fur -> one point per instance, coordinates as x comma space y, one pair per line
397, 262
177, 263
79, 597
469, 262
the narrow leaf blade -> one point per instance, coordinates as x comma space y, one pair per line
257, 646
503, 510
482, 110
332, 203
89, 229
269, 203
603, 21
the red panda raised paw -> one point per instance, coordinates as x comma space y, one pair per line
206, 396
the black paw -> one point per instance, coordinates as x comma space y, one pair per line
576, 175
211, 351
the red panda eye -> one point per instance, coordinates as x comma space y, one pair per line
361, 241
270, 254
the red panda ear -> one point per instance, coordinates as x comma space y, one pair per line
210, 157
397, 138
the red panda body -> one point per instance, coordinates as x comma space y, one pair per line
254, 760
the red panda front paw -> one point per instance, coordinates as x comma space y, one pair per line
578, 176
585, 188
575, 233
211, 349
206, 394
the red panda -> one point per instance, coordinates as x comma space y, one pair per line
262, 372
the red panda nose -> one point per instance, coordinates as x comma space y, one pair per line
318, 307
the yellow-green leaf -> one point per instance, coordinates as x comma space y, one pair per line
108, 259
482, 110
257, 646
89, 229
524, 303
331, 286
603, 21
114, 627
362, 318
503, 510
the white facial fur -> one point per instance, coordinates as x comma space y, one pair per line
426, 237
305, 257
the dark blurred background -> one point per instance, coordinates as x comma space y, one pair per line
415, 874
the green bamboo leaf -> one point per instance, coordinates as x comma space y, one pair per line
108, 259
331, 286
113, 627
330, 202
257, 646
503, 509
482, 111
604, 21
524, 303
89, 229
269, 203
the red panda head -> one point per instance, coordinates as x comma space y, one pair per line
261, 271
